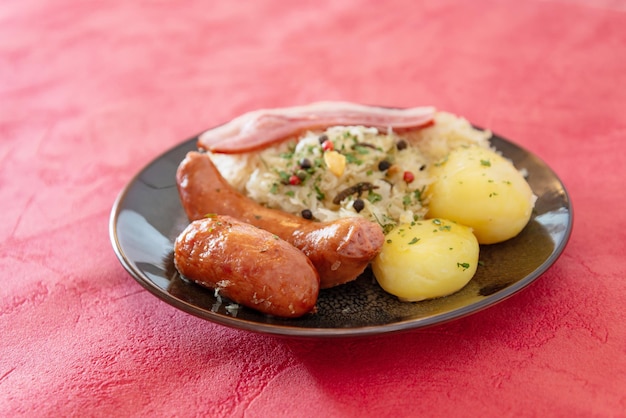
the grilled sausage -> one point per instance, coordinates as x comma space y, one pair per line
340, 250
248, 265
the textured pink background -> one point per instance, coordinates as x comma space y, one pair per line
92, 91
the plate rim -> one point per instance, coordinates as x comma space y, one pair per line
318, 332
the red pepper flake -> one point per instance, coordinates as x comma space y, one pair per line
328, 145
408, 176
294, 180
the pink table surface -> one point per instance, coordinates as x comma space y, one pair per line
90, 92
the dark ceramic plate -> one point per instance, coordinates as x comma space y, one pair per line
147, 217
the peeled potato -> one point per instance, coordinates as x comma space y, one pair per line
478, 188
426, 259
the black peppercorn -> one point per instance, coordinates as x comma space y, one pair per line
384, 165
307, 214
358, 205
401, 144
305, 163
323, 138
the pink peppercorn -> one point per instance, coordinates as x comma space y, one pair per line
294, 180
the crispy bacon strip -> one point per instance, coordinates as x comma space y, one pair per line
262, 128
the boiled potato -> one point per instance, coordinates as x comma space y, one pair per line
426, 259
478, 188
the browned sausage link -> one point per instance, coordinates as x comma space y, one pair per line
340, 250
248, 265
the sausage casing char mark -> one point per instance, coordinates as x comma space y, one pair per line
248, 265
340, 250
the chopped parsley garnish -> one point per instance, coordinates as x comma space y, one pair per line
284, 176
464, 266
319, 194
419, 194
374, 197
352, 159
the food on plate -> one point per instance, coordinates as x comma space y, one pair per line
479, 188
383, 175
340, 250
347, 184
248, 265
442, 255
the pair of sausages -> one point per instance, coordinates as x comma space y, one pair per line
335, 252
